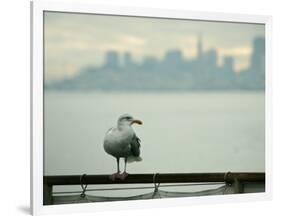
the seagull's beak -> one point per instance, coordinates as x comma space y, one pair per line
136, 121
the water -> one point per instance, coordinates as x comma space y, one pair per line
182, 132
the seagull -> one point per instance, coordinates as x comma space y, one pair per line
122, 142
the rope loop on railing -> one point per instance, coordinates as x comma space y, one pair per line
156, 184
227, 179
83, 186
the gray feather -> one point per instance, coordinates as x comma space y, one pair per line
135, 146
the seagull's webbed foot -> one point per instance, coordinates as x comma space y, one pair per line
115, 176
124, 175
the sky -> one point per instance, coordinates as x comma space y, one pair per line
73, 41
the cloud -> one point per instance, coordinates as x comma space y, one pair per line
123, 43
235, 51
132, 40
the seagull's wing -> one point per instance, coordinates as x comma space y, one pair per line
135, 146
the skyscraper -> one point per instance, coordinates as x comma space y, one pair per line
210, 58
199, 47
128, 62
228, 63
173, 57
112, 60
258, 55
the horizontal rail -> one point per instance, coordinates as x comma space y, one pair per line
228, 177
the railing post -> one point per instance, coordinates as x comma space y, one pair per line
238, 186
47, 194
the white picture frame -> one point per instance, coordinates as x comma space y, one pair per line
37, 10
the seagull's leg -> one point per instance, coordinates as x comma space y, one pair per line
118, 168
124, 174
117, 174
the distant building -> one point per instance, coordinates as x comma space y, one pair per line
112, 60
128, 62
206, 62
210, 59
149, 63
258, 55
228, 63
199, 47
173, 58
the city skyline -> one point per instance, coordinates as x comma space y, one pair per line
74, 41
172, 72
126, 59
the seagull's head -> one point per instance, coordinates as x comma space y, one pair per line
127, 119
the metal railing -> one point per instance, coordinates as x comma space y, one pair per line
236, 178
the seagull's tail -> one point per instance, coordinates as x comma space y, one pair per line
132, 159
